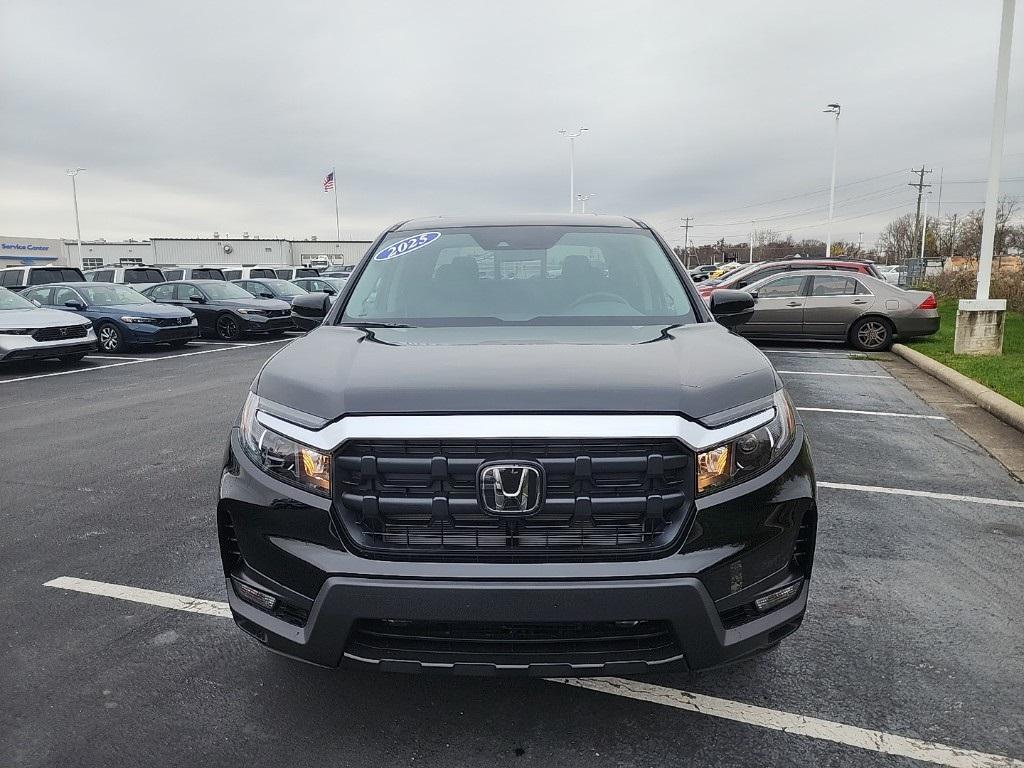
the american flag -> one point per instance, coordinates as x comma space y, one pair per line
329, 182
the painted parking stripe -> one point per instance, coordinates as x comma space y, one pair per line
922, 494
828, 373
801, 725
809, 353
136, 595
139, 361
113, 357
872, 413
777, 720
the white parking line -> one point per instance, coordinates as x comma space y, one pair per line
787, 722
826, 373
922, 494
113, 357
873, 413
136, 595
139, 361
773, 719
810, 353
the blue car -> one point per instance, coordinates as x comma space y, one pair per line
122, 316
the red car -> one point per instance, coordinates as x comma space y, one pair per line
744, 276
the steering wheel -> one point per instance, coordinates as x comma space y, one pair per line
589, 298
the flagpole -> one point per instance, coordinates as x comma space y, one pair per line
337, 210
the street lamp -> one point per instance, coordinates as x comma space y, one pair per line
583, 201
572, 136
74, 194
833, 109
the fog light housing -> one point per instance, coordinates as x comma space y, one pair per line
779, 597
256, 597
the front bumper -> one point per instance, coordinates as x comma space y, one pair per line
143, 333
742, 542
262, 324
13, 348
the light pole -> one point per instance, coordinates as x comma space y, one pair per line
833, 109
979, 323
572, 136
74, 195
583, 201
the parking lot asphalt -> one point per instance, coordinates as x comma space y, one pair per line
912, 651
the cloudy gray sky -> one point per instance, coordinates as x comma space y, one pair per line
193, 117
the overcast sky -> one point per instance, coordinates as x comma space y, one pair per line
195, 117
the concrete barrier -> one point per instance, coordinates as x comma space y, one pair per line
1001, 407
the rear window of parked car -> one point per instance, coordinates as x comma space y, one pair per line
55, 275
207, 274
11, 277
143, 276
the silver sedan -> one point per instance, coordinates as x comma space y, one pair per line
30, 333
868, 313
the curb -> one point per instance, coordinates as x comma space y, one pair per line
1001, 407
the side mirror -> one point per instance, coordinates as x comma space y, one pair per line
309, 310
75, 305
198, 298
731, 308
329, 291
753, 295
266, 295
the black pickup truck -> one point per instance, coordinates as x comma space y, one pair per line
518, 446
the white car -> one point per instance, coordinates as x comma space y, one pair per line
30, 333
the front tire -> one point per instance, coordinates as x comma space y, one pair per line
872, 334
110, 338
228, 328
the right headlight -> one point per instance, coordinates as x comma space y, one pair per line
282, 457
747, 455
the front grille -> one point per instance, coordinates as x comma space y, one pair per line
279, 313
170, 322
512, 644
60, 332
604, 500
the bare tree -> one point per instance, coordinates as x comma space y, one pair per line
1007, 235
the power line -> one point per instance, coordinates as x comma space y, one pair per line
877, 194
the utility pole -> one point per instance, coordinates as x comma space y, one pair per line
921, 186
752, 241
860, 242
686, 240
952, 236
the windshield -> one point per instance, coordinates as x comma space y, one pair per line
109, 295
216, 290
283, 287
527, 274
11, 300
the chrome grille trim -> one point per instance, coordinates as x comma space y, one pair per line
536, 426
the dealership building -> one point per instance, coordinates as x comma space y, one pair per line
174, 250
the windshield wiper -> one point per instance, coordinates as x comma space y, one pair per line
372, 324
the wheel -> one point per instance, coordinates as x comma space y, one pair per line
228, 328
178, 344
110, 337
70, 359
872, 334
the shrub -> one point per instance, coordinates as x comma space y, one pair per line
962, 284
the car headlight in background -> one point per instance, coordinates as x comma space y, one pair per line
134, 319
748, 454
282, 457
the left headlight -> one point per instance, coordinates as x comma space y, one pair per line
134, 319
282, 457
252, 311
748, 454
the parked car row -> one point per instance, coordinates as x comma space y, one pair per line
114, 316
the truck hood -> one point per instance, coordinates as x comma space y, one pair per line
693, 370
